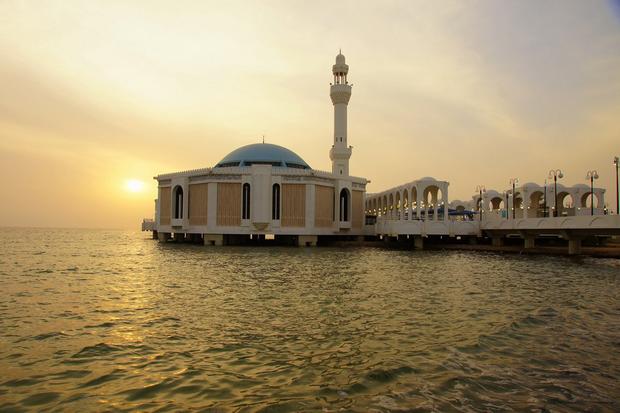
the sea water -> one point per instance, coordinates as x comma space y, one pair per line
94, 320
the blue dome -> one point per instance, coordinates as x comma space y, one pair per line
263, 154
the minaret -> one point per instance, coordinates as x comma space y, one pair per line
340, 92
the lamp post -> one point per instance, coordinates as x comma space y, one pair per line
506, 203
545, 201
592, 175
617, 163
513, 182
480, 189
555, 174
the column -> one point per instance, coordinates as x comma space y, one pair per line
529, 241
418, 242
526, 204
212, 206
444, 199
574, 246
418, 202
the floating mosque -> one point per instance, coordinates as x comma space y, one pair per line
264, 191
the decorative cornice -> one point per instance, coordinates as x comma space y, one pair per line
228, 172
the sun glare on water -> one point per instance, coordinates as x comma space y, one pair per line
134, 185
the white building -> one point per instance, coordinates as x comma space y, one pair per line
267, 190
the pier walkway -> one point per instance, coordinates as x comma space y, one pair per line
572, 228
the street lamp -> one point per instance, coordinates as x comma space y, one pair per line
545, 201
480, 189
555, 174
513, 182
506, 203
592, 175
617, 163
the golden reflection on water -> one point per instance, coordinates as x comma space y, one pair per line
96, 320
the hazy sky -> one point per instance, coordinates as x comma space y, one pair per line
474, 92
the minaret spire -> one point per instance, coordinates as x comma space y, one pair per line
340, 92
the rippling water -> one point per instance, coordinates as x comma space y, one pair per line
112, 321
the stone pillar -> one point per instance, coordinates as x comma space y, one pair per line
418, 202
155, 235
497, 241
526, 204
179, 237
574, 246
163, 236
444, 198
408, 207
529, 241
307, 240
213, 239
418, 242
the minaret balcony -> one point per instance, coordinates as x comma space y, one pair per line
339, 152
340, 93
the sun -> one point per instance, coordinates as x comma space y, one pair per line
134, 185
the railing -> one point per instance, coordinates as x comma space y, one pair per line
582, 222
148, 224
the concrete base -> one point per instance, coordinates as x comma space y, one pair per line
214, 239
497, 241
163, 236
193, 238
307, 240
574, 246
529, 242
418, 243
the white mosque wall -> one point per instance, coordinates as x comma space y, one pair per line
213, 202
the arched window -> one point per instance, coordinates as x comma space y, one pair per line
178, 202
344, 205
275, 201
246, 202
